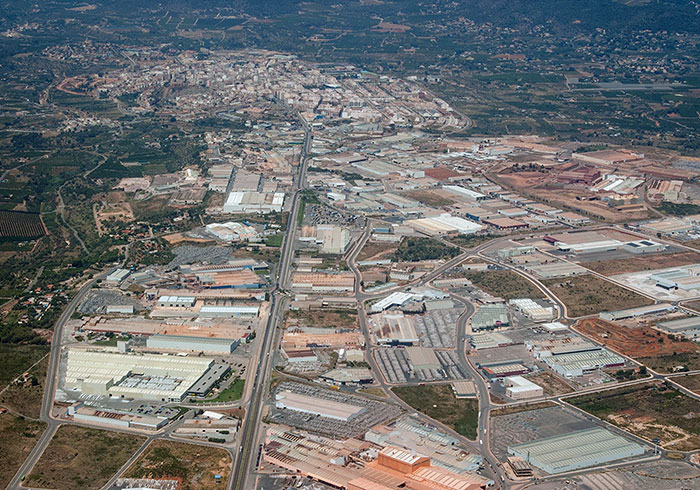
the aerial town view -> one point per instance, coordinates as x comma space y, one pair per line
363, 245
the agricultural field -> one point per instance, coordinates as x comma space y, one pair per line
504, 284
655, 349
439, 403
589, 295
651, 410
17, 437
196, 465
20, 225
650, 262
78, 457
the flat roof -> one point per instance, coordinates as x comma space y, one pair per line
319, 406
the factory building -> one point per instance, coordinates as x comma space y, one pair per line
463, 389
176, 301
504, 369
533, 310
643, 247
318, 282
205, 384
192, 344
116, 277
254, 202
348, 376
401, 460
316, 406
572, 364
422, 358
519, 388
637, 312
490, 316
394, 299
685, 278
443, 224
142, 377
688, 327
229, 311
576, 450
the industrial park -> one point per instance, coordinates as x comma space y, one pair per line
344, 286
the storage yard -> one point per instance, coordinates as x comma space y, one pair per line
399, 366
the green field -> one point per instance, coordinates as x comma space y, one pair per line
438, 402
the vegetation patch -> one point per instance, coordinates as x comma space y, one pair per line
690, 381
654, 410
17, 438
438, 402
505, 284
80, 457
195, 465
415, 249
521, 408
589, 295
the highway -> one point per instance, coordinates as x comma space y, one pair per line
246, 460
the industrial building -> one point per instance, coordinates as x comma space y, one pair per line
637, 312
572, 364
463, 389
229, 311
316, 406
348, 376
116, 277
533, 310
193, 344
489, 340
176, 301
318, 282
643, 247
254, 202
144, 377
394, 328
688, 327
115, 418
576, 450
504, 369
331, 239
422, 358
685, 278
394, 299
490, 316
519, 388
401, 460
212, 376
443, 224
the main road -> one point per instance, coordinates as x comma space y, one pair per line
247, 454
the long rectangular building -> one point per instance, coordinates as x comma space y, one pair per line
195, 344
576, 450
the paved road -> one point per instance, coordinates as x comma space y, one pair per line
244, 466
51, 382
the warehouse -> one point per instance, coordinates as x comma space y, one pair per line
143, 377
637, 312
316, 406
489, 340
422, 358
519, 388
579, 363
556, 269
688, 327
176, 301
490, 316
533, 310
504, 369
590, 247
254, 202
576, 450
643, 247
394, 328
464, 192
116, 277
348, 376
229, 311
192, 344
685, 278
443, 224
318, 282
463, 389
394, 299
212, 376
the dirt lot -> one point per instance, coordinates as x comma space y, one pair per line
24, 395
691, 381
78, 457
647, 263
504, 284
588, 295
196, 465
17, 437
550, 384
521, 408
322, 318
644, 344
376, 251
649, 411
431, 198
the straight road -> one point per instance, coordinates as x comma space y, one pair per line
247, 456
